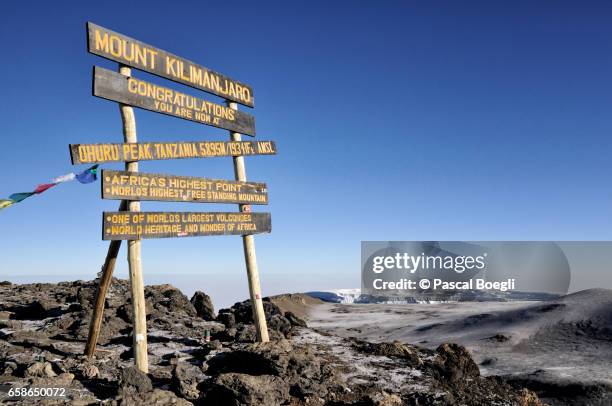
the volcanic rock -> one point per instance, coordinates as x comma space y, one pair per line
455, 363
298, 366
203, 305
41, 369
295, 320
234, 389
133, 378
394, 349
241, 314
185, 380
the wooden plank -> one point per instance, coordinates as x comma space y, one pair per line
149, 96
128, 51
98, 153
134, 254
105, 281
250, 257
123, 185
132, 226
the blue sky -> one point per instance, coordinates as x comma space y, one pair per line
437, 120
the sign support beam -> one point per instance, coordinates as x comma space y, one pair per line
105, 281
135, 265
139, 319
248, 242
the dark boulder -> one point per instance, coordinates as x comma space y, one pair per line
203, 305
156, 397
295, 320
299, 368
134, 380
227, 319
394, 349
234, 389
455, 363
185, 380
279, 323
36, 310
165, 299
269, 358
241, 313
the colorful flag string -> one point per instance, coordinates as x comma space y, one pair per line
89, 175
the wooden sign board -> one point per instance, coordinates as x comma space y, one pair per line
98, 153
123, 185
128, 51
139, 225
149, 96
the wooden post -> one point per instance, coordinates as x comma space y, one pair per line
139, 319
248, 242
105, 281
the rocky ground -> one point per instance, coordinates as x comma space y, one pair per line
560, 348
43, 328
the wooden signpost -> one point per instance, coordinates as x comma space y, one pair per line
128, 51
248, 244
149, 96
147, 151
131, 226
131, 186
121, 185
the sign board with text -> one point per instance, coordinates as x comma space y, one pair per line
141, 225
132, 187
123, 185
128, 152
128, 51
149, 96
